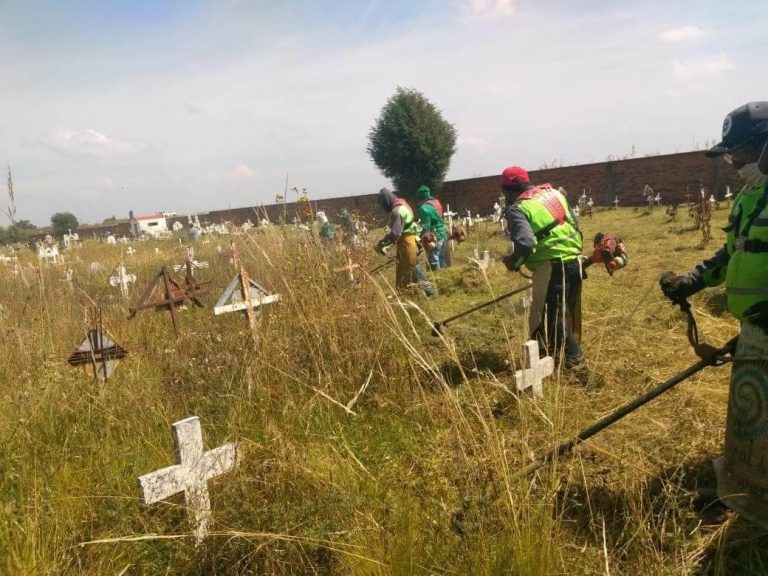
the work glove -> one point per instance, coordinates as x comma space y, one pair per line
758, 315
509, 262
380, 248
677, 287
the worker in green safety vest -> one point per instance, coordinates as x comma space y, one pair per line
404, 234
546, 239
434, 232
742, 264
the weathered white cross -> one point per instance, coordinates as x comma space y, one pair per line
448, 214
536, 369
120, 277
481, 264
191, 474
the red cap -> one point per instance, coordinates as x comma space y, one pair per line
514, 177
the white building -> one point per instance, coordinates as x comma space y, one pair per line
153, 225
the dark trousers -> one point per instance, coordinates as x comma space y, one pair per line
564, 287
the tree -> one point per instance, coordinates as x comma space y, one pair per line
411, 142
17, 232
63, 222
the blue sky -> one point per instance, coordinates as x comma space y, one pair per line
199, 105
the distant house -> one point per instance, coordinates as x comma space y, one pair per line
154, 225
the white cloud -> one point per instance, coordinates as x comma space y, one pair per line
242, 172
472, 142
687, 70
683, 34
492, 8
85, 142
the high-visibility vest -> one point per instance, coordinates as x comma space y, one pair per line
557, 236
746, 277
410, 227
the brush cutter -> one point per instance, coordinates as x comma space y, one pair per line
381, 266
710, 356
437, 327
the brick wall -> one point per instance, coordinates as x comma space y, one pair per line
670, 175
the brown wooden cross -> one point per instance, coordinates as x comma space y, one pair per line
174, 294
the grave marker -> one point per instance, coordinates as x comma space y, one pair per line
535, 370
190, 264
174, 294
121, 278
245, 294
349, 268
483, 263
97, 354
191, 473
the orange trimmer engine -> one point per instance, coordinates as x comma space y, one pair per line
610, 251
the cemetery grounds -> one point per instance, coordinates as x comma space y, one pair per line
366, 445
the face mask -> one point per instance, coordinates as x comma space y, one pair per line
751, 173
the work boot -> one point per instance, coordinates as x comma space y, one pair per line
580, 372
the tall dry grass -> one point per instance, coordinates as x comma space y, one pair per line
367, 445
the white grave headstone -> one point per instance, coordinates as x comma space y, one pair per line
190, 475
536, 369
483, 263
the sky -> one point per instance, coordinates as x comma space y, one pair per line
196, 105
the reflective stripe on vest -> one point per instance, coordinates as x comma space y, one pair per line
547, 197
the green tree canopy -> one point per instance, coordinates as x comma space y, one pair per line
411, 143
63, 222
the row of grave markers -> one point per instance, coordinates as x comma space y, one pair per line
97, 354
194, 468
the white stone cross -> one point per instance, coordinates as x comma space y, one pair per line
483, 263
450, 216
190, 475
120, 277
535, 370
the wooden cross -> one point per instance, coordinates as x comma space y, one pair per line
535, 370
97, 355
193, 469
249, 296
349, 268
175, 293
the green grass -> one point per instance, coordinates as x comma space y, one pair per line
431, 444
